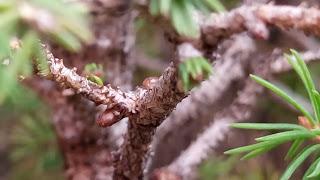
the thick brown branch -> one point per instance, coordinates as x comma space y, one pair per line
154, 105
146, 109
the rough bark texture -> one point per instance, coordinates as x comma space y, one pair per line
98, 94
255, 20
195, 111
240, 109
87, 149
155, 105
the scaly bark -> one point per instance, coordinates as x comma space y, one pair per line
154, 105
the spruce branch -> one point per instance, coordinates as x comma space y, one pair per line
94, 92
146, 108
306, 131
234, 60
154, 105
240, 109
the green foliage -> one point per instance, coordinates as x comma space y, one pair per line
215, 168
181, 13
95, 79
220, 168
194, 70
34, 143
23, 23
94, 73
284, 95
28, 136
297, 134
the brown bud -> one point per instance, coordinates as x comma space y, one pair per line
108, 118
303, 121
150, 82
199, 78
164, 174
180, 86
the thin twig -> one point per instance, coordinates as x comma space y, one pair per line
98, 94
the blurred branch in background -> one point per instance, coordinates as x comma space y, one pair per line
240, 109
202, 104
194, 36
280, 65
